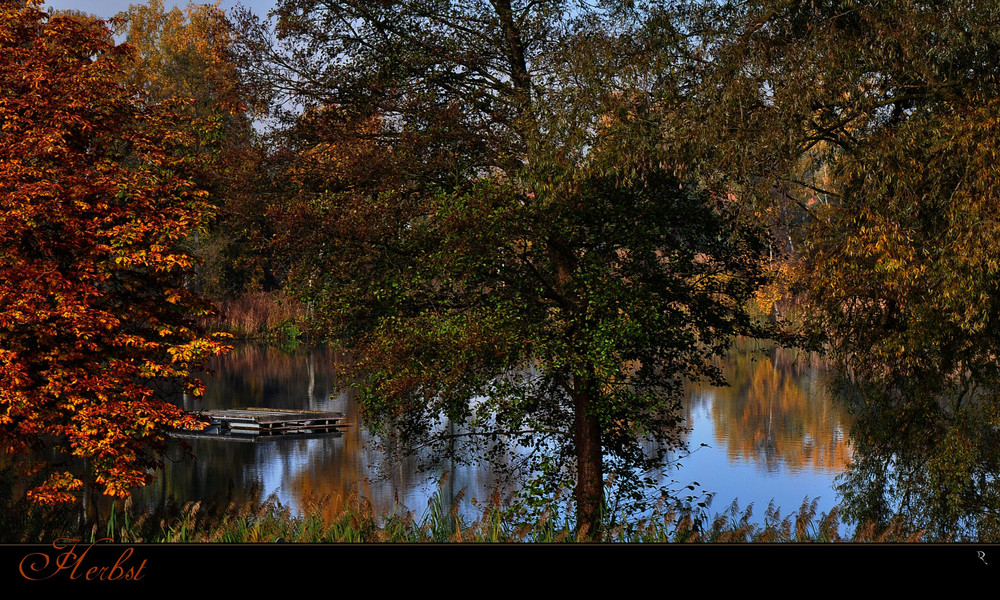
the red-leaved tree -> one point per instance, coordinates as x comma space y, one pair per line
96, 202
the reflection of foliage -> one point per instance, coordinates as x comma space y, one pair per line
776, 410
886, 114
933, 465
326, 471
263, 376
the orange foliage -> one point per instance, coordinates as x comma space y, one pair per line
186, 55
94, 208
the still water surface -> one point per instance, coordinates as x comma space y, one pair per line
774, 434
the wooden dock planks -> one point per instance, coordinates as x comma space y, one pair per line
268, 421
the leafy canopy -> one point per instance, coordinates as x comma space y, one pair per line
877, 122
95, 204
883, 112
480, 210
184, 56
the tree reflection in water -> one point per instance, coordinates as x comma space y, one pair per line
930, 464
777, 430
776, 412
333, 471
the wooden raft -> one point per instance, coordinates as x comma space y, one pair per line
268, 421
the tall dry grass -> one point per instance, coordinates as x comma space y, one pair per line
270, 316
351, 518
268, 521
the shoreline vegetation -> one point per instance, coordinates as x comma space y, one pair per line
269, 317
353, 520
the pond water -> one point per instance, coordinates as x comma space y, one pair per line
774, 434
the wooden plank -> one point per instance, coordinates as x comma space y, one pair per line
264, 421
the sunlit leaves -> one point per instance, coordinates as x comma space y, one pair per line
96, 205
183, 57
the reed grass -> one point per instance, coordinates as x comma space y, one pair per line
259, 316
268, 521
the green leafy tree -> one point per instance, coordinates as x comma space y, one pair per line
481, 212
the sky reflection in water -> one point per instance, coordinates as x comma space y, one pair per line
775, 433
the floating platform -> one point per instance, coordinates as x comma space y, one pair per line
266, 422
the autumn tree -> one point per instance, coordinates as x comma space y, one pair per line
482, 214
877, 120
185, 56
95, 312
881, 111
182, 54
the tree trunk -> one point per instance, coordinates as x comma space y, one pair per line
589, 491
514, 52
